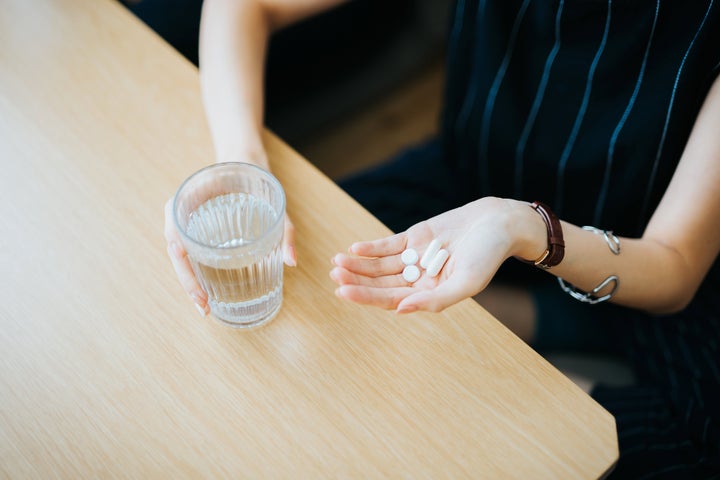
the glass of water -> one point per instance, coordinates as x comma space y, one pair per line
231, 220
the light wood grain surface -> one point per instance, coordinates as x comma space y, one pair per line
107, 371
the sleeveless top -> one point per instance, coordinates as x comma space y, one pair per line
585, 105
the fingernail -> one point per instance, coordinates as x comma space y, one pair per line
291, 257
175, 249
201, 310
200, 303
406, 309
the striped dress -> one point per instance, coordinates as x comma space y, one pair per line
585, 105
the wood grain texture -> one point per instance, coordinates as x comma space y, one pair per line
106, 369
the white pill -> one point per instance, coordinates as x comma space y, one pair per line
409, 256
437, 263
430, 253
411, 273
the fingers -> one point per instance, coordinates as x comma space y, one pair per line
181, 264
370, 267
382, 247
382, 297
171, 233
342, 276
393, 292
455, 288
184, 272
289, 252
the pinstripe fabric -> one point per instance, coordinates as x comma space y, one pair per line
535, 105
454, 37
658, 156
587, 106
532, 116
562, 164
588, 103
669, 423
492, 95
613, 140
469, 101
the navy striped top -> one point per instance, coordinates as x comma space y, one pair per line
585, 105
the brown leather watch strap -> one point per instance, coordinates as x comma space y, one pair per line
556, 245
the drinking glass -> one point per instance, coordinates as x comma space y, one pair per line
230, 217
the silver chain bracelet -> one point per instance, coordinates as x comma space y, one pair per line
613, 243
589, 297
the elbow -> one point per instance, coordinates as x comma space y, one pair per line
681, 280
673, 304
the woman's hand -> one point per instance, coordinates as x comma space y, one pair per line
479, 236
181, 263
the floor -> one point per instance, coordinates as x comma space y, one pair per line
401, 118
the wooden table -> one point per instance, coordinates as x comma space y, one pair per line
106, 370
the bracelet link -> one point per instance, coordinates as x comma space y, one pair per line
613, 243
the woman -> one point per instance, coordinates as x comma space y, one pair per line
608, 114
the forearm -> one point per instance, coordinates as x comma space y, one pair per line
233, 44
652, 276
661, 271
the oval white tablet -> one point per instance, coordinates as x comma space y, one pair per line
409, 256
411, 273
430, 253
437, 263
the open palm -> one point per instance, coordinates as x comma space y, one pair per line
475, 237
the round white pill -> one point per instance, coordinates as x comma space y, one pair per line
411, 273
409, 256
437, 263
430, 253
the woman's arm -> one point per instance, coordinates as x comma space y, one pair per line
659, 272
233, 44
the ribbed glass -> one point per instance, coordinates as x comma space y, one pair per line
234, 241
241, 288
